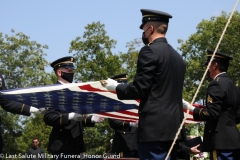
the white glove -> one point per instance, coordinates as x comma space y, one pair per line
75, 116
133, 124
187, 105
111, 84
97, 119
34, 110
42, 110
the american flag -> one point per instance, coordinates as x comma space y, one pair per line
83, 98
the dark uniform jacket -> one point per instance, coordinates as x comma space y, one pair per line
11, 106
221, 115
125, 137
66, 135
158, 83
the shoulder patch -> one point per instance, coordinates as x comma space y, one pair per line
209, 99
217, 78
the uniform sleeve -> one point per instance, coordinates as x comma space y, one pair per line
118, 124
56, 118
238, 115
214, 102
183, 148
12, 106
87, 122
143, 78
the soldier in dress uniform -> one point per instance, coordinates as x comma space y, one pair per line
13, 107
125, 136
66, 137
222, 113
158, 84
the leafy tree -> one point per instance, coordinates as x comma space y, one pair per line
206, 37
22, 64
95, 61
97, 138
94, 58
34, 127
129, 59
22, 61
10, 128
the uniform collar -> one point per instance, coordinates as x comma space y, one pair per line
160, 39
60, 82
218, 75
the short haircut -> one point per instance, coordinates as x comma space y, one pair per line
161, 27
35, 138
223, 67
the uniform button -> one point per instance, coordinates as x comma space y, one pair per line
124, 132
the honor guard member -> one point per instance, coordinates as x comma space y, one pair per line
125, 133
158, 83
221, 136
66, 137
13, 107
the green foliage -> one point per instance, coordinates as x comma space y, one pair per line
22, 65
129, 59
22, 61
94, 59
10, 129
206, 37
194, 129
97, 138
34, 127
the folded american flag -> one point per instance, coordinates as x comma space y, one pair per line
84, 98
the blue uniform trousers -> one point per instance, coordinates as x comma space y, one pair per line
156, 151
225, 155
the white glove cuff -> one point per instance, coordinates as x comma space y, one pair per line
71, 116
132, 124
33, 109
191, 108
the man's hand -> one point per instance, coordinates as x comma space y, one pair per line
34, 110
75, 116
194, 149
133, 124
110, 84
187, 105
97, 119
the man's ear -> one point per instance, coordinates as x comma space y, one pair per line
152, 27
59, 72
216, 65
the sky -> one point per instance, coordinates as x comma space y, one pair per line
57, 22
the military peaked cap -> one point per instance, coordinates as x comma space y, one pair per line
153, 15
219, 57
65, 62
